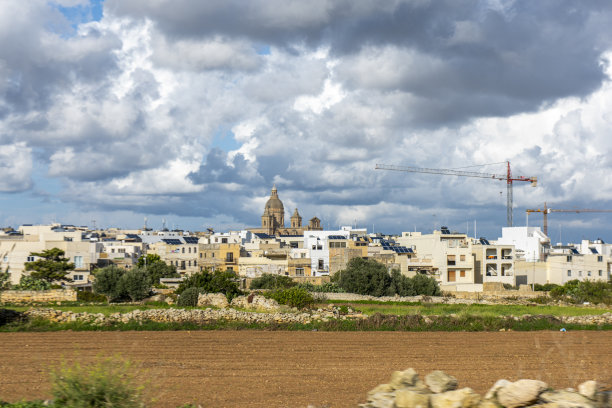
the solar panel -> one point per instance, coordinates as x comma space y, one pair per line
191, 240
575, 251
336, 237
484, 241
171, 241
593, 250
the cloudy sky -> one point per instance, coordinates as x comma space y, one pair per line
190, 111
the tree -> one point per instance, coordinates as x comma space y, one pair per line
148, 259
365, 277
107, 282
134, 284
157, 270
213, 282
5, 279
27, 282
51, 267
270, 281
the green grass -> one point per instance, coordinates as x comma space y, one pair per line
428, 309
105, 309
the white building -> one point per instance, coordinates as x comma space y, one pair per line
317, 243
530, 243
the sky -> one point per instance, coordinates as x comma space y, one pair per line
187, 112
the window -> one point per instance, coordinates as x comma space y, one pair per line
212, 255
183, 265
314, 247
321, 264
78, 261
183, 249
579, 273
30, 259
569, 258
5, 259
224, 240
600, 272
121, 250
189, 263
230, 268
600, 258
189, 249
569, 272
462, 259
195, 263
229, 257
450, 260
299, 271
589, 273
77, 277
200, 254
462, 272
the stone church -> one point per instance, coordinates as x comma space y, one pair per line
273, 219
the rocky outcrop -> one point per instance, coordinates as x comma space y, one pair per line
406, 390
255, 302
213, 299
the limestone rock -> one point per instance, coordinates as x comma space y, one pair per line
406, 398
213, 299
492, 393
567, 398
463, 398
401, 379
520, 393
382, 388
590, 389
487, 404
439, 381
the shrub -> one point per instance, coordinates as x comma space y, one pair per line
28, 282
108, 383
293, 297
134, 284
213, 282
547, 287
584, 291
5, 279
189, 297
270, 281
84, 296
327, 287
157, 270
107, 282
369, 277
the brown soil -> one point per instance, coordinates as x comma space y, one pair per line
294, 369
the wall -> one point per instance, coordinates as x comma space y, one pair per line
38, 296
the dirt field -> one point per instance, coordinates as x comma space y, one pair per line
294, 369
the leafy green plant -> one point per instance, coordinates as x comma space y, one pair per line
293, 297
189, 297
270, 281
5, 279
213, 282
84, 296
107, 383
28, 282
326, 287
547, 287
52, 266
107, 282
134, 284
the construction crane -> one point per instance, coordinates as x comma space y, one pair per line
545, 211
451, 172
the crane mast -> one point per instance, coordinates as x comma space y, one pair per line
462, 173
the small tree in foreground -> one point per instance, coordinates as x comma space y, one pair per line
5, 279
271, 281
51, 267
213, 282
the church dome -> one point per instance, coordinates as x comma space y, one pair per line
274, 203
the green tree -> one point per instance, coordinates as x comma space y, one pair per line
5, 279
157, 270
365, 277
51, 267
425, 285
213, 282
270, 281
107, 282
148, 259
28, 282
134, 284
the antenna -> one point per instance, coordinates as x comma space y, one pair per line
163, 223
145, 223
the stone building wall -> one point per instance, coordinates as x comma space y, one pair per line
38, 296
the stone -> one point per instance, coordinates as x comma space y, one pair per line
590, 389
487, 404
401, 379
439, 381
492, 393
520, 393
463, 398
565, 397
381, 399
382, 388
406, 398
213, 299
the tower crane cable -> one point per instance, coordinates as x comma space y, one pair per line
463, 173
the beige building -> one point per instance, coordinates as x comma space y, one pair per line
220, 256
452, 263
181, 252
15, 250
493, 263
560, 268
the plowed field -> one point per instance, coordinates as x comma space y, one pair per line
294, 369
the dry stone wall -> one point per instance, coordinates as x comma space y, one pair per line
440, 390
38, 296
